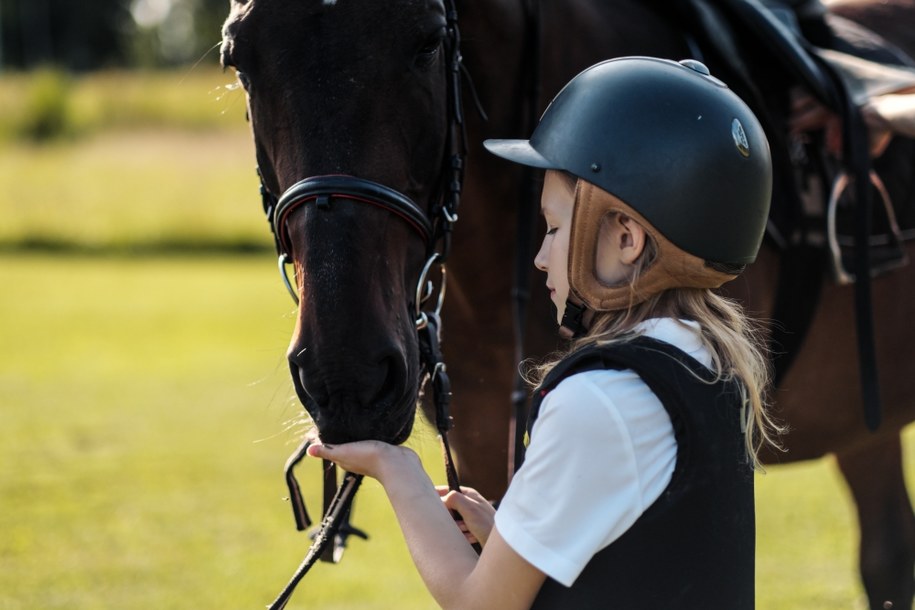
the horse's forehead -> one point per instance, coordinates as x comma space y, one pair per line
390, 7
354, 20
326, 4
321, 6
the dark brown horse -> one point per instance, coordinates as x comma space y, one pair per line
359, 88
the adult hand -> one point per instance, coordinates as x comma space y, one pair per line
477, 514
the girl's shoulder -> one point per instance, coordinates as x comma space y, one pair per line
685, 335
598, 392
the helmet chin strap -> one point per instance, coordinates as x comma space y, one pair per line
573, 324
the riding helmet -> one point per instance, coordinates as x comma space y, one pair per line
668, 139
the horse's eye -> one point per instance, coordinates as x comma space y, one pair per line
428, 53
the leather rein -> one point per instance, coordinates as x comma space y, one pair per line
435, 230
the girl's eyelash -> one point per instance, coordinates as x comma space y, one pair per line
551, 230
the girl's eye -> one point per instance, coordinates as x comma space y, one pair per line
551, 231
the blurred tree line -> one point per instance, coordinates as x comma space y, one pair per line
80, 35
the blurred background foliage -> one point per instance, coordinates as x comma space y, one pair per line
62, 64
94, 34
120, 132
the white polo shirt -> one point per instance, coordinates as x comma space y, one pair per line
602, 450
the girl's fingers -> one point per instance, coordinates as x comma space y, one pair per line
319, 450
358, 457
470, 492
457, 501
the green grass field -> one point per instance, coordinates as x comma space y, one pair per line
146, 408
155, 162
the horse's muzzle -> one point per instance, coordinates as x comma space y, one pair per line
357, 402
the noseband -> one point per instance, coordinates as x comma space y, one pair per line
322, 191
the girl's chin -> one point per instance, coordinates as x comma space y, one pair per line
558, 310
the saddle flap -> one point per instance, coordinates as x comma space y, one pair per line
865, 79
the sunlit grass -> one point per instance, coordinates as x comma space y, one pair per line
807, 538
144, 403
195, 99
150, 161
132, 190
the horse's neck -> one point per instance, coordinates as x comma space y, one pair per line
574, 34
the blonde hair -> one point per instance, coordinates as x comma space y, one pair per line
734, 341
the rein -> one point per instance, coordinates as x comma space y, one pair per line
435, 231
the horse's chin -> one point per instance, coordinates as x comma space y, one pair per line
405, 431
390, 425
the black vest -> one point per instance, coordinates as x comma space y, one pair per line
694, 548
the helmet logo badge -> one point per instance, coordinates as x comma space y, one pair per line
740, 138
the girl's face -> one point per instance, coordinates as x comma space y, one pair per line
556, 204
621, 243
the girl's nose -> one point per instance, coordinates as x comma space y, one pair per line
541, 258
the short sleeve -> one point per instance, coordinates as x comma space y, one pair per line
579, 488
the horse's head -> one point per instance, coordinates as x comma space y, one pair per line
352, 97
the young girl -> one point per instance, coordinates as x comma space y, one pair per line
637, 487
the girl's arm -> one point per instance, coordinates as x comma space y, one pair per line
454, 574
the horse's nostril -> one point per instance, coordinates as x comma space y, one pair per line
384, 384
300, 381
378, 382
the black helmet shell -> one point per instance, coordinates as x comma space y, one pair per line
668, 139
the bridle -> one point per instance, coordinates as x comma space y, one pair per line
435, 230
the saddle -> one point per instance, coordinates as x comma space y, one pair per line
828, 214
801, 42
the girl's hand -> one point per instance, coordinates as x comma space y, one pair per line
476, 512
370, 458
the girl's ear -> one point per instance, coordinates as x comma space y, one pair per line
631, 239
